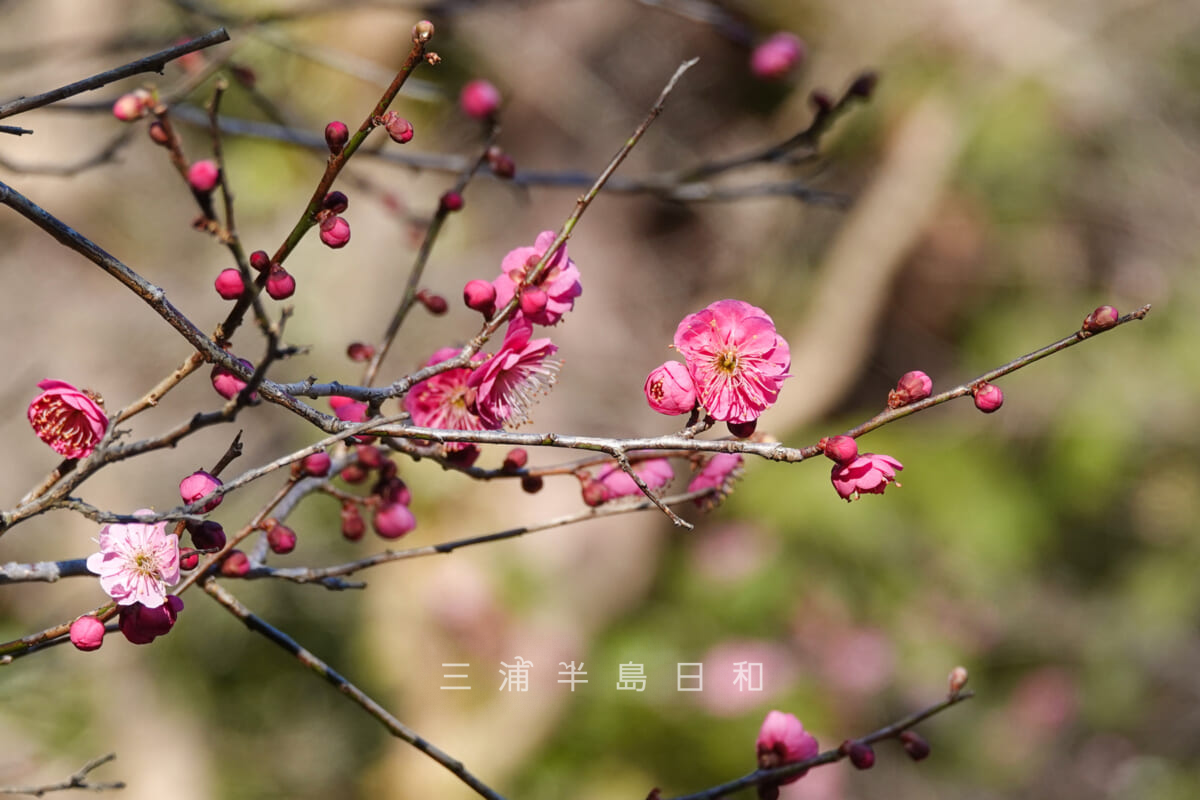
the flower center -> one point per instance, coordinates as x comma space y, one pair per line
728, 362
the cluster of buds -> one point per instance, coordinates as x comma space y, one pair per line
335, 230
389, 496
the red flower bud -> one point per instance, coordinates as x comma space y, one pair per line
915, 745
337, 202
988, 398
360, 351
840, 449
336, 136
280, 283
87, 633
1101, 319
229, 284
316, 465
281, 539
451, 201
532, 483
203, 176
516, 459
235, 565
260, 261
335, 232
479, 99
742, 430
479, 295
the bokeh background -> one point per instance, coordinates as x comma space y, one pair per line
1021, 162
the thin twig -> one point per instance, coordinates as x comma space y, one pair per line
76, 781
152, 63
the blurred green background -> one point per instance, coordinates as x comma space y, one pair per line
1020, 163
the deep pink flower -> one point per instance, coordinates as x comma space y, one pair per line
142, 624
348, 409
137, 562
200, 484
393, 521
479, 99
718, 473
68, 420
656, 472
867, 474
559, 280
783, 740
229, 385
669, 389
87, 633
736, 359
775, 57
508, 384
445, 401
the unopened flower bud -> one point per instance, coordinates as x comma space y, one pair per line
776, 56
670, 390
336, 136
188, 559
260, 261
228, 384
915, 745
335, 232
360, 351
464, 456
501, 163
335, 201
911, 387
229, 284
198, 485
433, 59
280, 283
451, 201
516, 459
129, 107
158, 133
533, 301
434, 303
316, 465
353, 526
208, 536
532, 483
988, 398
400, 129
479, 99
594, 493
864, 85
393, 521
235, 565
479, 295
742, 430
354, 473
1101, 319
281, 539
203, 176
87, 633
840, 449
958, 679
369, 456
422, 31
861, 755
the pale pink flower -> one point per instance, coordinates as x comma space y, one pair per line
783, 740
867, 474
559, 280
656, 472
68, 420
445, 401
669, 389
736, 359
719, 473
137, 562
508, 384
141, 624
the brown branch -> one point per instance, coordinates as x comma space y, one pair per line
76, 781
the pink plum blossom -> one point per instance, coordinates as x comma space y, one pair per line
783, 740
867, 474
200, 484
68, 420
142, 624
669, 389
445, 400
736, 359
507, 384
559, 281
718, 473
656, 472
137, 562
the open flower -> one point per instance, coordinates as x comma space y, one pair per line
736, 359
656, 472
445, 400
869, 473
718, 473
508, 384
68, 420
137, 562
783, 740
559, 281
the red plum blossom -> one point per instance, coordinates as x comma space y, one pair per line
508, 384
867, 474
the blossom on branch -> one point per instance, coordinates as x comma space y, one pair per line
655, 472
869, 474
719, 474
508, 384
783, 740
137, 562
68, 420
559, 281
445, 401
736, 359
